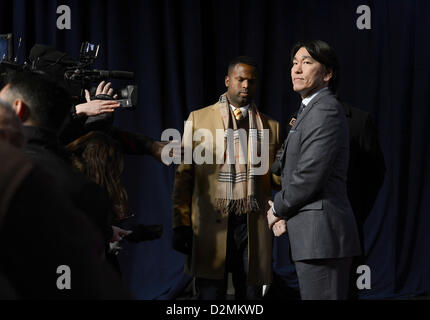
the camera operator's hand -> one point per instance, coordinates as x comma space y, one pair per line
102, 88
183, 239
96, 107
119, 233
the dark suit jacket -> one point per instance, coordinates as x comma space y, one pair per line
314, 199
366, 168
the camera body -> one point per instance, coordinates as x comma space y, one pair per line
75, 76
126, 97
81, 76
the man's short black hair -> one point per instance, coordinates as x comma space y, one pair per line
324, 54
49, 103
242, 60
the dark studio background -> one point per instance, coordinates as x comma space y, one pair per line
179, 51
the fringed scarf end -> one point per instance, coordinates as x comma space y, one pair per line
239, 206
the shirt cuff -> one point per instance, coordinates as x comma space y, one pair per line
274, 211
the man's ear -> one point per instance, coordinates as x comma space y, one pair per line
21, 109
328, 75
227, 81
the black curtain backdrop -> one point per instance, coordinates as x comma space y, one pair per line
180, 51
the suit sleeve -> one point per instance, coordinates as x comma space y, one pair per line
183, 190
319, 145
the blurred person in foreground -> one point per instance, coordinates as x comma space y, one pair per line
42, 231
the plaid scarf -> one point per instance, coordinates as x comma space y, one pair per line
237, 181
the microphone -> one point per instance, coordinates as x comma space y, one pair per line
125, 75
99, 74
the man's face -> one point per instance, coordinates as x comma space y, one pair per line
307, 74
241, 83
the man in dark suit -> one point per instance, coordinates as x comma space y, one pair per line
313, 204
366, 173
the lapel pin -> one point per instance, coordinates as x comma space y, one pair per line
293, 121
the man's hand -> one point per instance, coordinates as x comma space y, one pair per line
102, 88
97, 107
157, 148
271, 219
279, 228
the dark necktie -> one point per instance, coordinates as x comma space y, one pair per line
277, 165
302, 107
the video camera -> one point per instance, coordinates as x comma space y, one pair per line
75, 76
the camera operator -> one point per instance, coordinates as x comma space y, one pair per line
40, 229
42, 106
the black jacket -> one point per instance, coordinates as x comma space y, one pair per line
43, 148
42, 230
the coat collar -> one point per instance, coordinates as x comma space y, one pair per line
45, 139
300, 118
217, 117
313, 102
40, 136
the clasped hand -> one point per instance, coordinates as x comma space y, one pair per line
276, 224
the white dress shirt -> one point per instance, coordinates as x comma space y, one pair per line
244, 109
